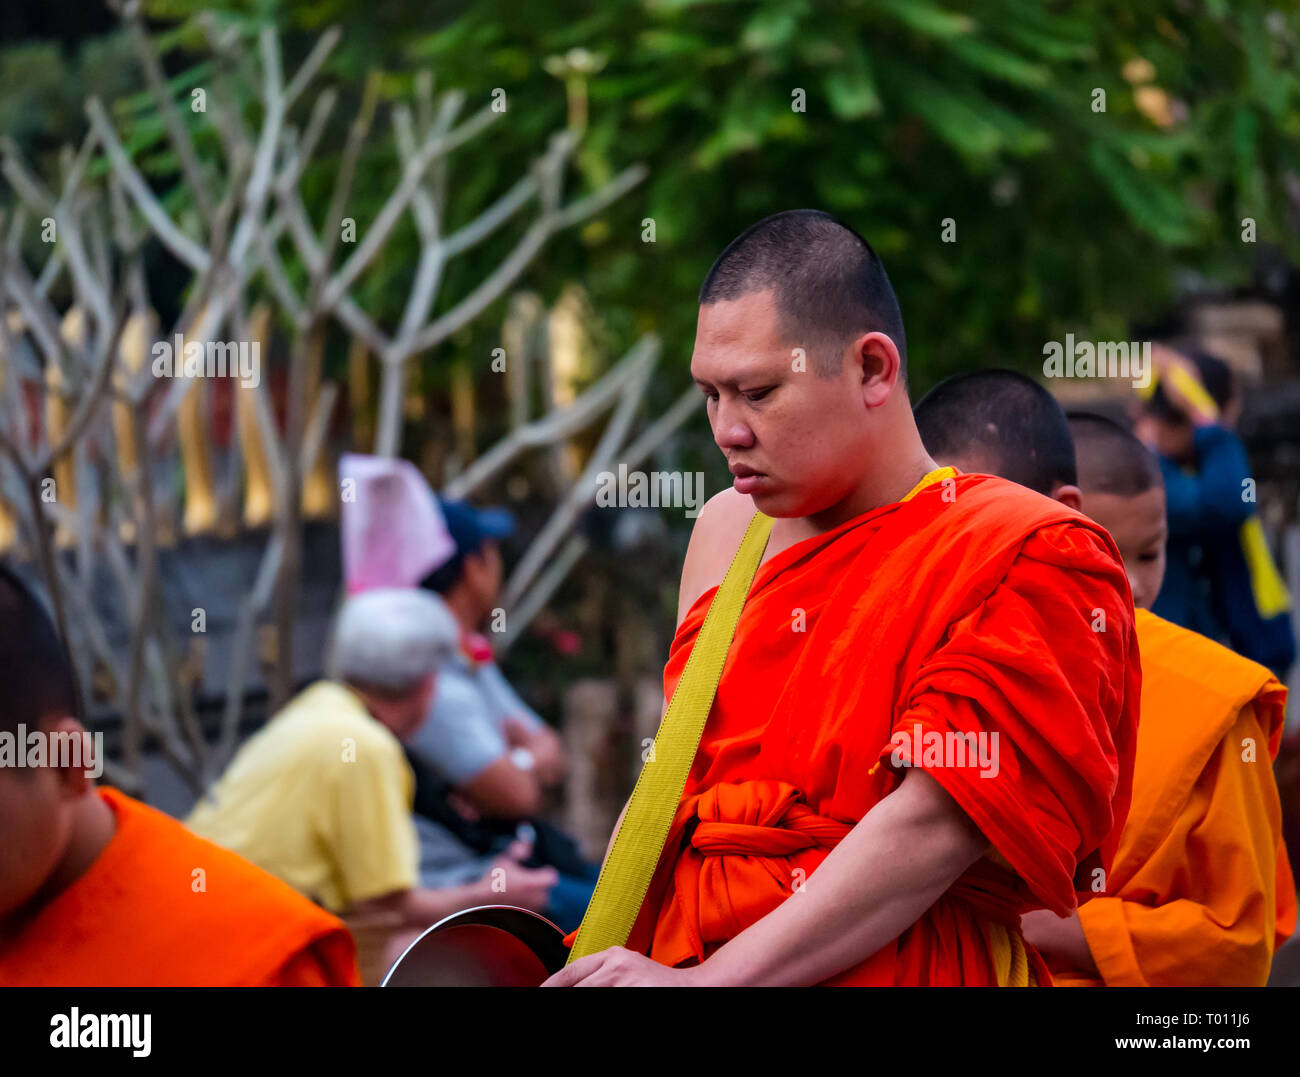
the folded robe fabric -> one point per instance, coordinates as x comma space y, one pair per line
977, 607
1201, 891
140, 916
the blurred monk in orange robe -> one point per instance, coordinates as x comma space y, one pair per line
99, 890
1200, 892
918, 733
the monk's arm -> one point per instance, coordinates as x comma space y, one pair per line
1062, 936
878, 881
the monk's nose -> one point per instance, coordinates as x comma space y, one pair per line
730, 432
1135, 584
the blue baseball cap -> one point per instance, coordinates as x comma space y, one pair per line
470, 527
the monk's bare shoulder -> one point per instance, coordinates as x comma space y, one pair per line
717, 532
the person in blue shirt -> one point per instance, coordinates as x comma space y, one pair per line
483, 758
1221, 579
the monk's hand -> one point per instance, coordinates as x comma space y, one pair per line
621, 967
1059, 935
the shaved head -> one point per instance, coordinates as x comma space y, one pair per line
829, 285
1111, 460
1001, 423
1124, 491
39, 682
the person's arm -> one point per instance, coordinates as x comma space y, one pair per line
371, 840
878, 881
1061, 936
503, 790
543, 744
419, 907
461, 741
1213, 498
891, 867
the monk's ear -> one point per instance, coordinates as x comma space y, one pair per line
881, 366
1069, 496
70, 754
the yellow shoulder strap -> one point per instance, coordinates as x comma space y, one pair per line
631, 863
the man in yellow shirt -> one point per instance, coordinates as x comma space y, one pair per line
322, 795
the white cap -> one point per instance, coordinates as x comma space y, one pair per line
392, 638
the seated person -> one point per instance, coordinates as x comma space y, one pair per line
480, 735
99, 890
483, 749
322, 795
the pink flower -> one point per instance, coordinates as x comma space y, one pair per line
566, 641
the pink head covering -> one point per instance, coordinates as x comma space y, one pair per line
392, 528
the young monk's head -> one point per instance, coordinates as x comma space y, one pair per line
998, 422
388, 645
1124, 491
799, 350
1002, 423
38, 804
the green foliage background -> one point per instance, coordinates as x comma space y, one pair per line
1066, 218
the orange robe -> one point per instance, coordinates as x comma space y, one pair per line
135, 919
1200, 892
976, 607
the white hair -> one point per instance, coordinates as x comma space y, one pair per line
392, 638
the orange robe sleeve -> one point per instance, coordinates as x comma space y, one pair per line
1202, 908
1056, 780
327, 962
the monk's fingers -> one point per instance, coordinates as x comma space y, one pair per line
625, 968
572, 975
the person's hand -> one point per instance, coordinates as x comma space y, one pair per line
621, 967
1060, 935
463, 807
508, 882
1162, 356
1182, 385
547, 749
1146, 428
550, 761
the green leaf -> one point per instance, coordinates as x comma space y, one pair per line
951, 117
1267, 82
998, 63
1153, 207
1048, 46
850, 88
927, 19
773, 27
177, 86
661, 100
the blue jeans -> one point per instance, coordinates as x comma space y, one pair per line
570, 897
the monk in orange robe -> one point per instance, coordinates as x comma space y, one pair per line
1200, 892
917, 734
99, 890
